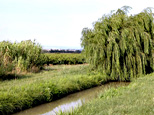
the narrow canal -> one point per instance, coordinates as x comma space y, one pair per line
71, 101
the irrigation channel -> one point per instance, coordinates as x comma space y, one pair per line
71, 101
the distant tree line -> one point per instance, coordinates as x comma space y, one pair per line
61, 51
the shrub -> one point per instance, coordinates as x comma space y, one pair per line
62, 58
18, 57
6, 59
27, 54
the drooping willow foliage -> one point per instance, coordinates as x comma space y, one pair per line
121, 46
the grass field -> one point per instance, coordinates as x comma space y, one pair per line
135, 99
52, 83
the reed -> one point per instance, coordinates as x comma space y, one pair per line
19, 57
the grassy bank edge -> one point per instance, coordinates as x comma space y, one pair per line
136, 98
27, 96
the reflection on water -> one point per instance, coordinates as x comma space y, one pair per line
65, 107
69, 102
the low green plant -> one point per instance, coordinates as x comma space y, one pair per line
64, 58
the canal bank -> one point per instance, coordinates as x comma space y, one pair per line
71, 101
51, 84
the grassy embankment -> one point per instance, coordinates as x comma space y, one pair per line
135, 99
33, 89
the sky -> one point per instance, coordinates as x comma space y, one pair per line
56, 23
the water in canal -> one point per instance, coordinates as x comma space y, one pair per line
69, 102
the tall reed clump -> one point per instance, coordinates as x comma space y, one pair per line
6, 59
121, 46
27, 55
19, 57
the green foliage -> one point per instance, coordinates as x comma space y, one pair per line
27, 54
121, 46
6, 59
19, 57
64, 58
35, 89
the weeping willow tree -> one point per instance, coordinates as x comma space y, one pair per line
121, 46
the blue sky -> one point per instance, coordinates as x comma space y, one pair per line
56, 23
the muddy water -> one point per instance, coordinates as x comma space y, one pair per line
69, 102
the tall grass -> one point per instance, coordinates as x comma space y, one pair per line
34, 89
18, 57
6, 58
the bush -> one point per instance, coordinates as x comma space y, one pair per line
6, 59
27, 55
18, 57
